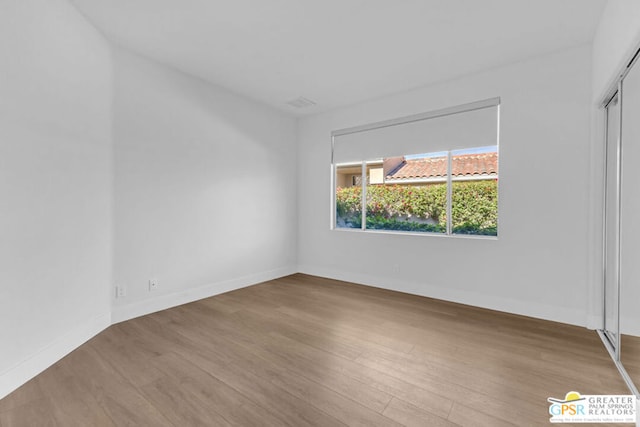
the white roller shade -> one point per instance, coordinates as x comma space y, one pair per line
475, 126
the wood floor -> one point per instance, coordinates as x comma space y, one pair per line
305, 351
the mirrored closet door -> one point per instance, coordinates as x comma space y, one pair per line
630, 224
621, 228
611, 224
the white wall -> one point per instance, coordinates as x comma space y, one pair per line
205, 188
55, 185
538, 265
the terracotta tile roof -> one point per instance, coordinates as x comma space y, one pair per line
464, 165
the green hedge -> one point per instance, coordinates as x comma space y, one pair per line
474, 207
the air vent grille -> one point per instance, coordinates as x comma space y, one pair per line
301, 102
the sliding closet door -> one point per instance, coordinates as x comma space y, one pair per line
630, 224
611, 224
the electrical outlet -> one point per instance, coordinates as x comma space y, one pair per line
121, 291
153, 284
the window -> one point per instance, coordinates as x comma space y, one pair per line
432, 173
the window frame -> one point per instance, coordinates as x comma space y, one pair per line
472, 106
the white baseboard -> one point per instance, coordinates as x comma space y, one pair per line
28, 368
165, 301
477, 299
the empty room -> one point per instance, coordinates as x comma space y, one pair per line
319, 213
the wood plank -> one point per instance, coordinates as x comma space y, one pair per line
115, 394
412, 416
309, 356
214, 394
35, 413
179, 405
71, 405
466, 416
283, 403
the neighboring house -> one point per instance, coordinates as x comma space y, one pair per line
426, 170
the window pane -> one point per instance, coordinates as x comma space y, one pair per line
474, 195
349, 196
408, 193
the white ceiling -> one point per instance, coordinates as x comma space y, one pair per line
340, 52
